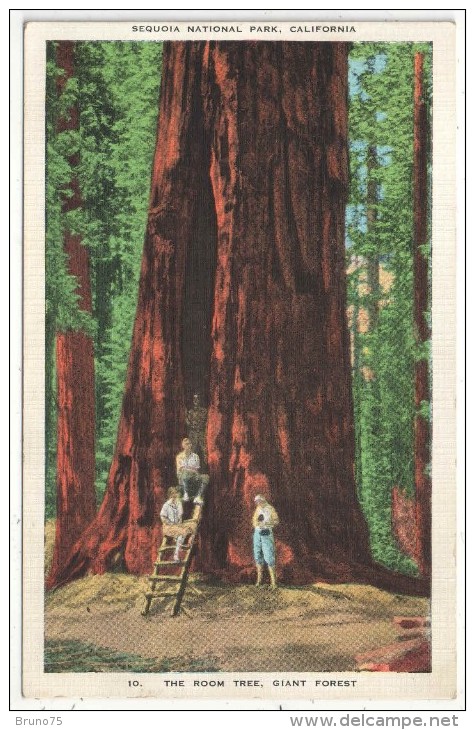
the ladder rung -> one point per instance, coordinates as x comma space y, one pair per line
169, 562
182, 578
172, 547
194, 589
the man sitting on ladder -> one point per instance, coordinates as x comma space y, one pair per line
188, 473
171, 515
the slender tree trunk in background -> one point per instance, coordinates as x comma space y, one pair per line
50, 396
76, 496
373, 415
250, 164
403, 520
101, 284
422, 433
357, 382
373, 259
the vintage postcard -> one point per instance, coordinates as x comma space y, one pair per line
239, 373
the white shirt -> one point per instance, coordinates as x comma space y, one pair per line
172, 512
190, 461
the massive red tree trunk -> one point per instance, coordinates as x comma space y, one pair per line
76, 496
422, 434
280, 417
247, 218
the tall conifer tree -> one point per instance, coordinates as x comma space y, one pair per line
76, 498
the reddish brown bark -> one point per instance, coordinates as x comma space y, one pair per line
403, 519
76, 496
280, 417
422, 434
251, 162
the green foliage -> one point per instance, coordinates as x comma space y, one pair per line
425, 410
78, 656
61, 287
116, 87
119, 85
63, 655
381, 116
61, 297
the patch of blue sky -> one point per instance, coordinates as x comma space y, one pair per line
384, 155
355, 218
357, 66
355, 69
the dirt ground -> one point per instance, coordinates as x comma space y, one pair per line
95, 624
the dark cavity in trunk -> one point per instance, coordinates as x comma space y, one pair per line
198, 294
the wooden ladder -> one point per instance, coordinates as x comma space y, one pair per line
160, 578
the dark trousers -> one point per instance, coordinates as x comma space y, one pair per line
193, 484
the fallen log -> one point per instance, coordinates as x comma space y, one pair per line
387, 653
420, 633
411, 652
412, 622
418, 659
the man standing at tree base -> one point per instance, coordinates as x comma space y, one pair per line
264, 519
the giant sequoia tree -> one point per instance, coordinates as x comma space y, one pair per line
242, 291
76, 496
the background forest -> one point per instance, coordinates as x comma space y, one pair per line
115, 89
